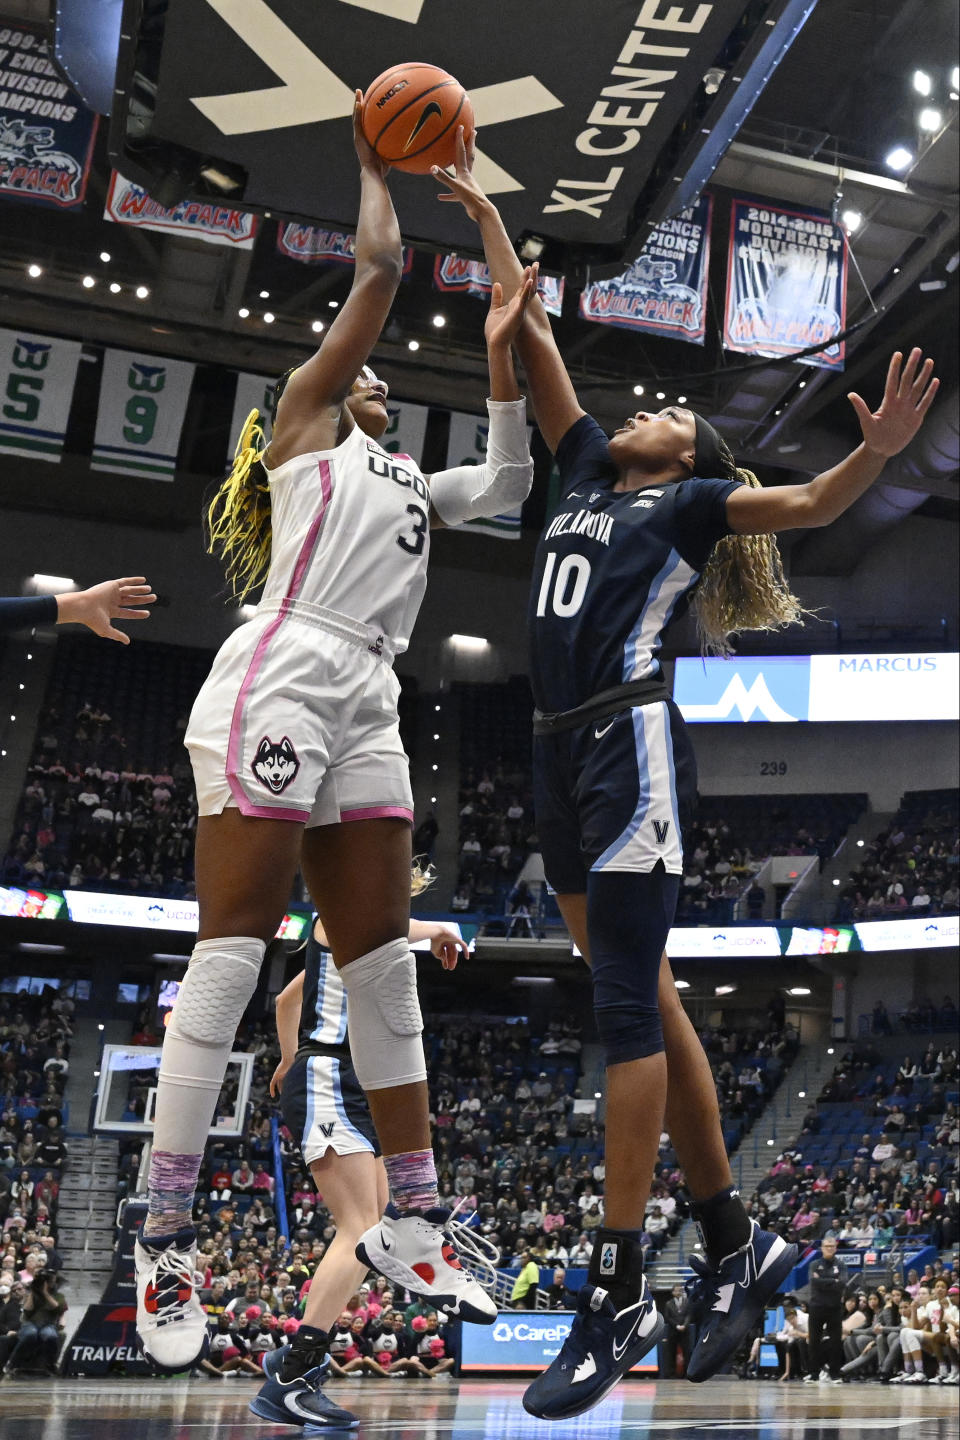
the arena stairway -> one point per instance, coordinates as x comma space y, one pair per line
86, 1221
776, 1126
17, 737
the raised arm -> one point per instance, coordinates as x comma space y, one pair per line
907, 397
554, 400
309, 409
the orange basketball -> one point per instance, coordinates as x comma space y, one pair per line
410, 116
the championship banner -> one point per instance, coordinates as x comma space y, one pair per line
254, 392
407, 429
129, 204
467, 445
46, 133
664, 291
786, 283
315, 246
143, 401
453, 272
37, 374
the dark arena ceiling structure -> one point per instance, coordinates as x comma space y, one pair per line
246, 103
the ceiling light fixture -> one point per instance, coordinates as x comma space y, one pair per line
799, 990
264, 294
681, 399
142, 292
930, 119
105, 256
922, 82
243, 312
899, 158
268, 317
413, 344
638, 389
661, 395
439, 321
115, 288
34, 271
88, 282
317, 327
682, 984
851, 221
333, 304
724, 989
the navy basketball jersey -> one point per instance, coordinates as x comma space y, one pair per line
323, 1015
613, 569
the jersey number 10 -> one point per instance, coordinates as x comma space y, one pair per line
564, 591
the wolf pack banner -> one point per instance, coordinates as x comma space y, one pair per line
467, 445
315, 246
664, 291
46, 133
129, 204
407, 429
143, 401
253, 392
453, 272
36, 386
786, 283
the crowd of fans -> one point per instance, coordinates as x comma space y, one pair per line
88, 819
34, 1063
497, 834
912, 868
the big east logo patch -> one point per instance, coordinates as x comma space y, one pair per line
276, 766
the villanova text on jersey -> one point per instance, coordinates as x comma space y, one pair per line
613, 568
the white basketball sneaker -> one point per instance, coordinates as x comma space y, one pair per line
171, 1322
422, 1253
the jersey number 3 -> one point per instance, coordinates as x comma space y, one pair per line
413, 543
565, 590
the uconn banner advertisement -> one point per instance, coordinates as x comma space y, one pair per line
785, 688
786, 283
46, 134
522, 1340
665, 289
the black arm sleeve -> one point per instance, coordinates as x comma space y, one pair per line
21, 610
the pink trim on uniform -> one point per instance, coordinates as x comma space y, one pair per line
377, 812
244, 804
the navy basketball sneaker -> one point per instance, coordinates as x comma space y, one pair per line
603, 1345
728, 1301
299, 1401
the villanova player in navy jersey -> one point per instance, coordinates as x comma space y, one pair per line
649, 520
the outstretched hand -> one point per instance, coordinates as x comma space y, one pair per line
463, 187
368, 157
907, 397
99, 606
448, 946
504, 319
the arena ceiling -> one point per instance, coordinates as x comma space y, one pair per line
823, 121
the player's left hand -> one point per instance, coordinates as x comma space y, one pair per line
277, 1079
448, 946
505, 318
368, 157
907, 397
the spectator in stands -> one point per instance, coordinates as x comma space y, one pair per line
39, 1337
521, 1296
11, 1317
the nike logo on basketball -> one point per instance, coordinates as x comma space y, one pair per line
599, 734
431, 108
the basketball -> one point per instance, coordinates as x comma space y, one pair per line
410, 116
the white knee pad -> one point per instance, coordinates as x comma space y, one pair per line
220, 980
383, 1017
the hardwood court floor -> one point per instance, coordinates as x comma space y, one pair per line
478, 1410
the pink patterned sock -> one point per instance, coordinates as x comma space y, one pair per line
172, 1187
412, 1177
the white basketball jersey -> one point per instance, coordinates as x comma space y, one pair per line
351, 535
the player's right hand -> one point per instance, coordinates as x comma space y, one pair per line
368, 157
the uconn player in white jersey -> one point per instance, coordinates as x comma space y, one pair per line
295, 745
325, 1110
656, 516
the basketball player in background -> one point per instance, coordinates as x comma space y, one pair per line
324, 1108
649, 520
295, 745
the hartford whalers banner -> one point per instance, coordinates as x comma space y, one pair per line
405, 433
664, 291
37, 374
254, 392
143, 401
453, 272
316, 246
129, 204
786, 283
46, 133
467, 445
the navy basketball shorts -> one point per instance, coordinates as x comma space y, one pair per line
324, 1108
614, 795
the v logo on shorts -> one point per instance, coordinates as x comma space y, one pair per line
276, 766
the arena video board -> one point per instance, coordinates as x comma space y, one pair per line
788, 688
520, 1340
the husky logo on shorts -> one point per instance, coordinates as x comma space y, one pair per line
276, 766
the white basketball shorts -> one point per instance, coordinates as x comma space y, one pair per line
297, 721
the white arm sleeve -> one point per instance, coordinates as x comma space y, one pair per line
503, 480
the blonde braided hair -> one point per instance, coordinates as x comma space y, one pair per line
742, 586
238, 527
